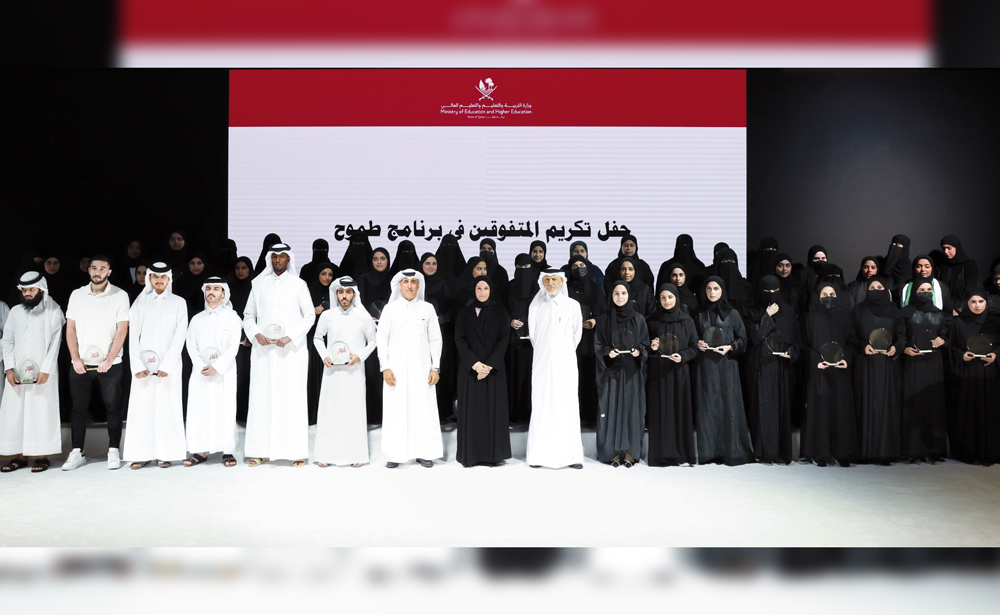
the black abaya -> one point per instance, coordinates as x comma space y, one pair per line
974, 391
523, 288
374, 286
771, 378
877, 380
830, 427
925, 423
483, 436
723, 435
669, 411
621, 383
585, 293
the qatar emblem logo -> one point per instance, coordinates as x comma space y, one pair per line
486, 89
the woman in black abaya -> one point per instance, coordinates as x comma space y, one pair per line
684, 255
357, 259
669, 411
678, 277
537, 252
815, 259
974, 429
320, 256
579, 248
593, 306
877, 376
375, 286
897, 263
859, 287
958, 271
498, 275
640, 294
629, 249
773, 330
319, 290
406, 258
791, 286
723, 436
764, 260
438, 292
481, 340
621, 380
925, 425
737, 288
523, 288
450, 259
830, 427
924, 271
240, 284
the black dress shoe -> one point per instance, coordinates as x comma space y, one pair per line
502, 462
425, 462
628, 464
576, 466
534, 466
615, 463
821, 464
391, 464
845, 464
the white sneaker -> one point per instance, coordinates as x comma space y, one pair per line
75, 459
114, 459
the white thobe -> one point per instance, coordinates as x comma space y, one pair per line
29, 413
278, 416
155, 420
409, 343
4, 314
211, 407
342, 423
554, 439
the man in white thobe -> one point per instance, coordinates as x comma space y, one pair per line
409, 350
277, 319
29, 413
155, 423
342, 424
213, 339
554, 439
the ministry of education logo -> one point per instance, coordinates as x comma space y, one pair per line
486, 89
491, 110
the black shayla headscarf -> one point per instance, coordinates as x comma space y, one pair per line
721, 307
674, 314
878, 301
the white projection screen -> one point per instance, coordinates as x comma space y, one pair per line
516, 155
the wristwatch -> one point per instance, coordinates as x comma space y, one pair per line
436, 370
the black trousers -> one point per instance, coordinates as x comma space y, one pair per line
80, 386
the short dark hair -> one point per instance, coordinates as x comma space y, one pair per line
102, 257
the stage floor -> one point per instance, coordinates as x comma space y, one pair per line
948, 504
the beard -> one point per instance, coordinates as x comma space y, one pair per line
33, 303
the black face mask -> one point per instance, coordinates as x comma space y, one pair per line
580, 272
923, 298
828, 302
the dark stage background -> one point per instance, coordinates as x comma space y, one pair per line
92, 157
847, 159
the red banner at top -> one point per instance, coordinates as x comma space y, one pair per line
487, 97
519, 21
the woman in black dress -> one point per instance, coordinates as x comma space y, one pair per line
974, 389
375, 287
319, 290
830, 428
621, 342
723, 436
523, 288
669, 411
925, 423
878, 374
481, 340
